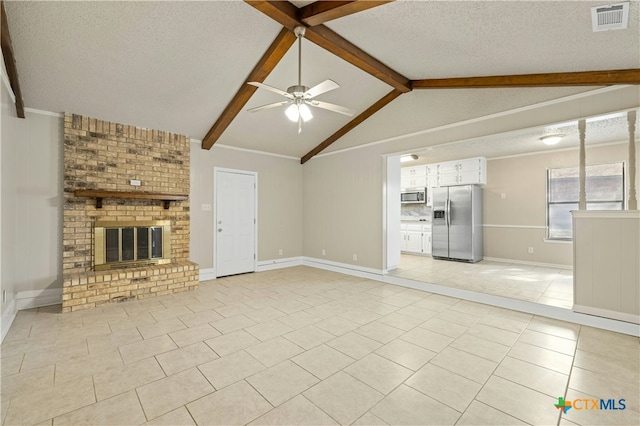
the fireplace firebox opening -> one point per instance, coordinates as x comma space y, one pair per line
131, 244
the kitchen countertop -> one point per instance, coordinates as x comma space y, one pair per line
415, 219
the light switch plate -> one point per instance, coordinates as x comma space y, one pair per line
205, 207
135, 182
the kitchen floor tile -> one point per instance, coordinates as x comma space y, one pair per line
296, 411
233, 405
167, 394
309, 337
343, 397
465, 364
179, 416
131, 376
193, 335
507, 396
481, 414
230, 369
137, 351
442, 385
274, 351
231, 324
268, 330
407, 406
483, 348
232, 342
118, 410
322, 361
427, 339
543, 357
547, 341
354, 345
282, 382
533, 376
185, 358
406, 354
378, 372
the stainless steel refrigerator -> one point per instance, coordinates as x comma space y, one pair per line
457, 223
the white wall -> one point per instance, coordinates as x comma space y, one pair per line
518, 221
31, 206
279, 201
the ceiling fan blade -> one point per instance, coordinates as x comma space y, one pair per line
273, 89
273, 105
332, 107
321, 88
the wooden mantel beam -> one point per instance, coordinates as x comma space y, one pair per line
580, 78
10, 62
263, 68
322, 11
381, 103
287, 15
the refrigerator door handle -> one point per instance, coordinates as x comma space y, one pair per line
448, 212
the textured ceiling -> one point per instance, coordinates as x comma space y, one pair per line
176, 65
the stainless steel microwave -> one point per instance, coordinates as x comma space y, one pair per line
413, 196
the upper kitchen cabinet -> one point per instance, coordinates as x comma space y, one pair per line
462, 172
413, 177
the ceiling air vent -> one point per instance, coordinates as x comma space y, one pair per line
610, 17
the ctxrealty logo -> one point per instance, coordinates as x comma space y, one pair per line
590, 404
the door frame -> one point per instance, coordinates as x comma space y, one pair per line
215, 214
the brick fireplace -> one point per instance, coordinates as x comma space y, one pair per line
106, 156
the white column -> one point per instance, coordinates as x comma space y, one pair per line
633, 201
582, 198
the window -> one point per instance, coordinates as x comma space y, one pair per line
604, 186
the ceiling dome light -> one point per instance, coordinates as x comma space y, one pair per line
406, 158
551, 139
292, 112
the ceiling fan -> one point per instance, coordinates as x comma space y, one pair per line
300, 97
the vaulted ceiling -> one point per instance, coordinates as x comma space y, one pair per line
177, 66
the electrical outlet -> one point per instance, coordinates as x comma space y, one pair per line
503, 196
355, 257
530, 250
205, 207
324, 252
135, 182
280, 252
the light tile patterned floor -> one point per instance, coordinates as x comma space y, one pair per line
306, 346
547, 286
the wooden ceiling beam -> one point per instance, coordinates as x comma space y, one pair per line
263, 68
580, 78
287, 15
10, 62
323, 11
381, 103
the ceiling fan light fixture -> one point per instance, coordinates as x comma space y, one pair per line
305, 112
551, 139
292, 112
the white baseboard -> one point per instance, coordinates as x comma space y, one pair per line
38, 298
268, 265
525, 262
207, 274
8, 316
607, 313
345, 268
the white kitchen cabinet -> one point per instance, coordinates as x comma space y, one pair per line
416, 238
432, 182
426, 242
413, 177
461, 172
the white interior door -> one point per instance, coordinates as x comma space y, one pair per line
235, 227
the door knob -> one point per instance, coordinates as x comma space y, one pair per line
219, 229
219, 222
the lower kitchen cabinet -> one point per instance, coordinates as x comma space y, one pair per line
416, 238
